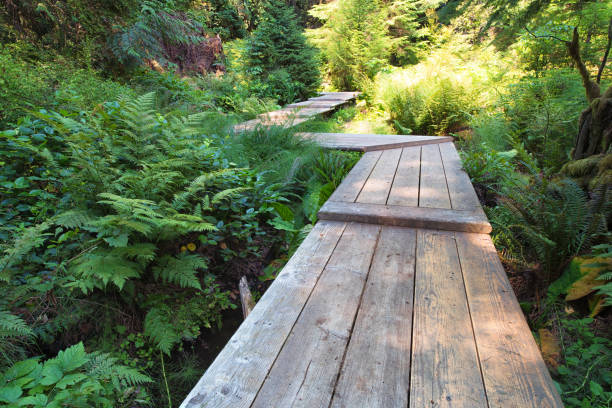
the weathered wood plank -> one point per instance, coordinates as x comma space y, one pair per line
352, 184
376, 188
514, 373
433, 192
377, 363
461, 191
237, 373
371, 142
321, 104
335, 96
415, 217
405, 189
445, 368
307, 367
291, 113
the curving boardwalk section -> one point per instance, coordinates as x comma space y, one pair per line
396, 298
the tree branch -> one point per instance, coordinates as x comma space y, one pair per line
552, 37
605, 57
591, 87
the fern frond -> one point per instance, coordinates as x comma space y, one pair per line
158, 327
73, 218
230, 192
99, 268
182, 270
103, 366
13, 326
29, 239
142, 252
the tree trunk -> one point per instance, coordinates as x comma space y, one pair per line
595, 124
595, 128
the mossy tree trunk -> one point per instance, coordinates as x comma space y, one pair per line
595, 125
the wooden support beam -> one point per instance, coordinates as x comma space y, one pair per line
415, 217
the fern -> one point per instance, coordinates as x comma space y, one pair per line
14, 335
13, 326
97, 269
181, 270
553, 220
72, 378
103, 366
605, 251
160, 330
73, 218
29, 239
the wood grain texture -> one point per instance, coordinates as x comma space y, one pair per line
461, 191
433, 192
321, 104
377, 362
305, 372
415, 217
405, 189
514, 373
445, 368
290, 113
371, 142
237, 373
351, 186
377, 187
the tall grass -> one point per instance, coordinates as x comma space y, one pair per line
441, 94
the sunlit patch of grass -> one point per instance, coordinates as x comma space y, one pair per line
440, 94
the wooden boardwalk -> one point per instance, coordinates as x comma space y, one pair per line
396, 298
296, 113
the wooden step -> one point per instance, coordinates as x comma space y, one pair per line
400, 216
371, 142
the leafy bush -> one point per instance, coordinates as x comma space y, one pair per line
584, 377
543, 113
73, 378
52, 83
278, 57
222, 17
440, 94
142, 186
550, 221
487, 166
356, 45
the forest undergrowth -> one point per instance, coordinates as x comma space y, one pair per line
130, 210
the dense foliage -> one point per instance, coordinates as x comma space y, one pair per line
279, 62
129, 210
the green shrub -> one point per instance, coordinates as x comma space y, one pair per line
487, 166
156, 27
434, 105
584, 377
543, 114
548, 222
53, 83
356, 46
147, 196
278, 57
73, 378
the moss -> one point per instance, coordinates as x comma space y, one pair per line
590, 172
605, 163
582, 167
603, 178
